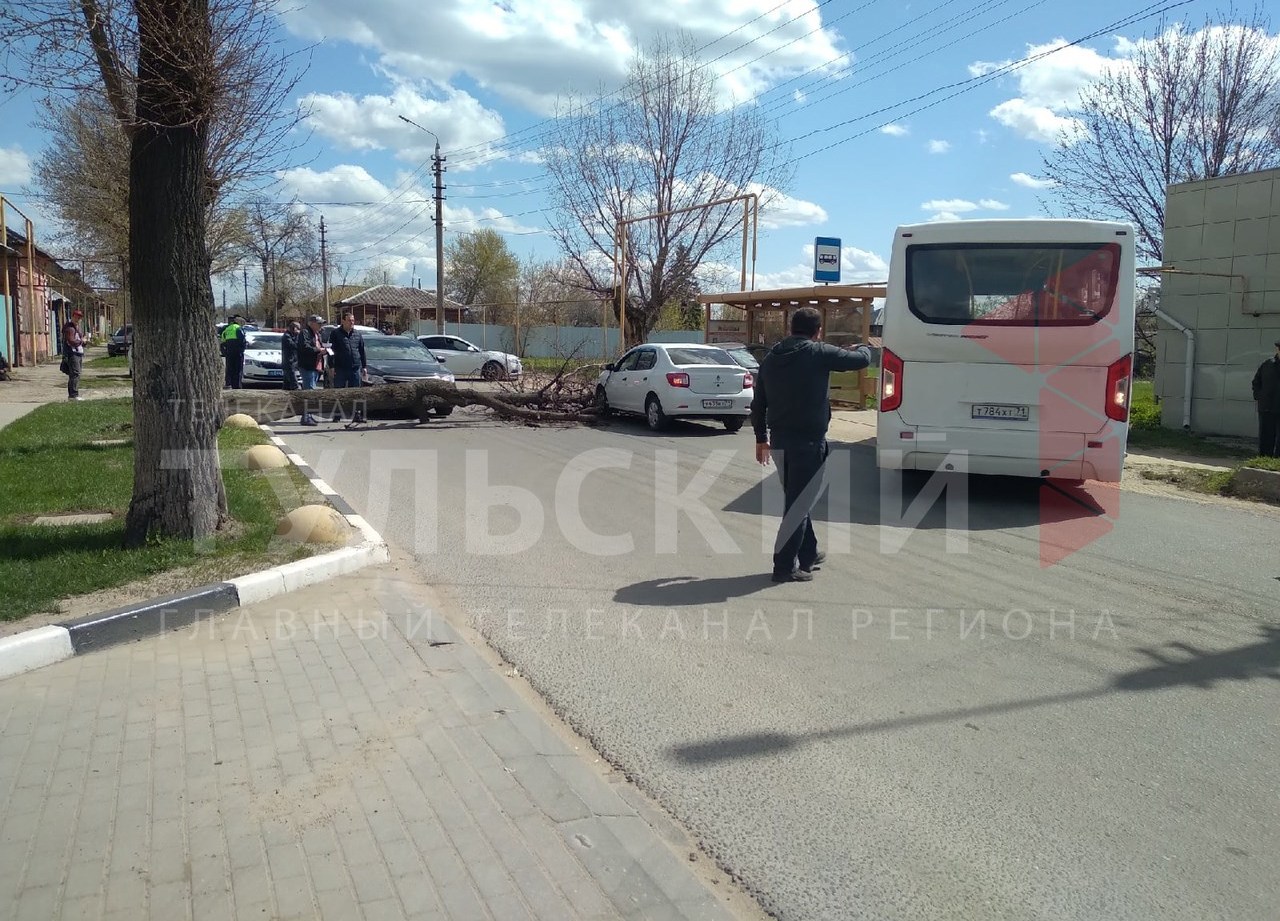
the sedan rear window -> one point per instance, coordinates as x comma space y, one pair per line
682, 357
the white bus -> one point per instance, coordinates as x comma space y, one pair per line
1008, 349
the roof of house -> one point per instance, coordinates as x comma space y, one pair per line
397, 296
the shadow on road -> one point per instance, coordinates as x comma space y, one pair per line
1194, 669
858, 492
687, 590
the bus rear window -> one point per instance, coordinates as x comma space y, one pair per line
1012, 284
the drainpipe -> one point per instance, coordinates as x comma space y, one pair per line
1190, 365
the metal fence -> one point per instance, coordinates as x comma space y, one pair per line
586, 342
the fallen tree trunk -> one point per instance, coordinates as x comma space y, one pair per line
423, 398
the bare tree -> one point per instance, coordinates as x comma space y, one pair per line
282, 239
169, 69
85, 173
669, 144
1185, 106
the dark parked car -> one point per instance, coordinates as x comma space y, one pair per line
401, 360
748, 356
120, 342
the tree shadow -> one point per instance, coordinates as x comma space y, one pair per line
689, 591
1195, 668
108, 536
858, 492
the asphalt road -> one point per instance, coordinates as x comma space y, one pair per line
939, 726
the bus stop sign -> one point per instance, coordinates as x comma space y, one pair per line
826, 259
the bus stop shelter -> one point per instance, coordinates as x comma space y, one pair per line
759, 319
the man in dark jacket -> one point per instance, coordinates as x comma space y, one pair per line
289, 356
1266, 393
350, 366
311, 354
790, 412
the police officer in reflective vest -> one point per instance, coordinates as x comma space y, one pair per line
233, 343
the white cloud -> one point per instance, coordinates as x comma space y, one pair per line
946, 216
532, 51
378, 224
1031, 182
15, 167
1035, 123
1049, 88
950, 204
939, 147
799, 97
373, 122
992, 205
779, 210
895, 130
856, 265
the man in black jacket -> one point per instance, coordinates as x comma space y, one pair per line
289, 356
790, 412
350, 366
311, 354
1266, 393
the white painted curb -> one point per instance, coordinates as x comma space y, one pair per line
34, 649
43, 646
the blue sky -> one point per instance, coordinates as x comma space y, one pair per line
837, 76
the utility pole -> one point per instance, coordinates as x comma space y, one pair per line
438, 168
245, 270
324, 268
438, 165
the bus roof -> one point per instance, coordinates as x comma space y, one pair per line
1012, 228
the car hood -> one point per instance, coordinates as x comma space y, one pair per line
262, 354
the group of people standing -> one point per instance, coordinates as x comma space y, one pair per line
304, 352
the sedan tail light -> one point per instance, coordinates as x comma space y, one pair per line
748, 381
678, 379
1118, 376
890, 381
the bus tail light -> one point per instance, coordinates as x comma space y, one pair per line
1118, 379
890, 381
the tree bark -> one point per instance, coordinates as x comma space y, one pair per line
178, 491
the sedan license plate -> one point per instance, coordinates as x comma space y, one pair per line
275, 373
716, 404
1001, 411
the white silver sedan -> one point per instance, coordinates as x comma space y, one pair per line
665, 381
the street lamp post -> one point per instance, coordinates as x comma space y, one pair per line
437, 167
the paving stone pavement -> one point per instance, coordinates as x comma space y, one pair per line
338, 753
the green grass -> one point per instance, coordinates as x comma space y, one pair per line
49, 466
106, 382
553, 365
116, 361
1264, 463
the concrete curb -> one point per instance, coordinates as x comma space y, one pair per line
43, 646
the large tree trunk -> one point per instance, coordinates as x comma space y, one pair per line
177, 486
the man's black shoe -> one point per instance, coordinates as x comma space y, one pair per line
820, 558
796, 575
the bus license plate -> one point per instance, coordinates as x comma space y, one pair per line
716, 404
1001, 411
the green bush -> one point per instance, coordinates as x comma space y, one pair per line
1144, 415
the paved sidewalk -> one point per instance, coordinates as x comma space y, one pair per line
338, 753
